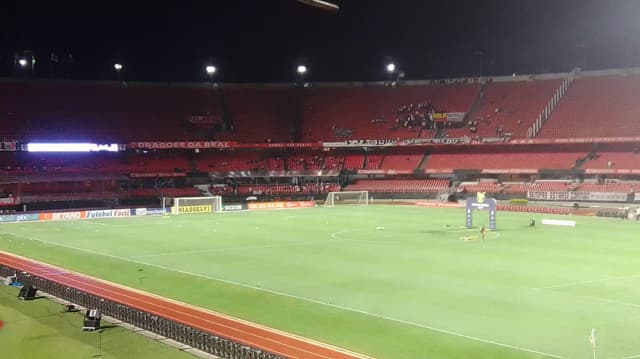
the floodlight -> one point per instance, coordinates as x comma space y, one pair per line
117, 66
391, 67
302, 69
210, 69
23, 62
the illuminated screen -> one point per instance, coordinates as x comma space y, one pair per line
71, 147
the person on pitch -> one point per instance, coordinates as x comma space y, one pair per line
482, 232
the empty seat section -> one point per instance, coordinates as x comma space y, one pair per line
597, 106
504, 160
263, 114
513, 106
400, 185
609, 187
488, 187
333, 162
103, 112
228, 161
373, 161
523, 188
614, 160
304, 162
353, 162
401, 162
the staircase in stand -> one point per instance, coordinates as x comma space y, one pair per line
477, 103
534, 130
423, 163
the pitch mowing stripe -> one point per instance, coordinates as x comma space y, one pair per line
239, 248
310, 300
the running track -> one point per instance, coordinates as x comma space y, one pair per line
244, 332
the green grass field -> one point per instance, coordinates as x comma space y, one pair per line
411, 290
39, 329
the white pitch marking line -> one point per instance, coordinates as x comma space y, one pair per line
633, 356
608, 300
571, 284
310, 300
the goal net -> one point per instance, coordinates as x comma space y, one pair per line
186, 205
352, 197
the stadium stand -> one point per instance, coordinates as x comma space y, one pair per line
102, 112
487, 187
506, 160
275, 163
595, 105
400, 185
512, 107
256, 189
353, 162
523, 188
260, 114
603, 106
229, 161
333, 163
373, 161
610, 187
29, 164
338, 113
401, 162
304, 162
614, 160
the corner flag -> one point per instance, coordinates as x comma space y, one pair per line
592, 338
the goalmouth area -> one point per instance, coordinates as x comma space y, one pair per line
388, 281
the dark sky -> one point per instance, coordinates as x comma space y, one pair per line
263, 40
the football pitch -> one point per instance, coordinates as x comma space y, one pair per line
393, 282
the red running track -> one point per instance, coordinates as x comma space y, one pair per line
244, 332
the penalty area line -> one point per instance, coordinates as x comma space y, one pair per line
310, 300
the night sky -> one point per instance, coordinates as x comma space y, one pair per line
263, 40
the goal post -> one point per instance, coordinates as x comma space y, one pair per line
187, 205
348, 197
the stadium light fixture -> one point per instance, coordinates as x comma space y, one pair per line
71, 147
302, 69
117, 67
210, 69
23, 62
391, 67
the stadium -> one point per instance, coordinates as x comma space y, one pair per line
476, 216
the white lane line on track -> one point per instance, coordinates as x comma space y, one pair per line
310, 300
600, 280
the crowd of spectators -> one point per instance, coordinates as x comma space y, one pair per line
410, 116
